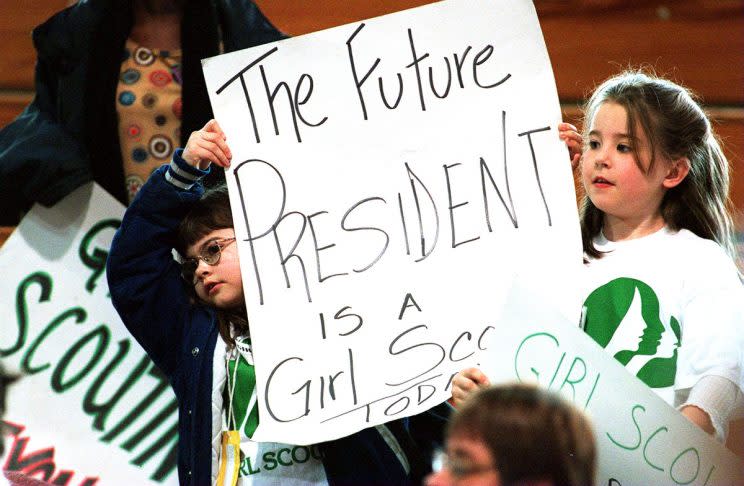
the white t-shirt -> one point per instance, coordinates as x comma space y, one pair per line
670, 307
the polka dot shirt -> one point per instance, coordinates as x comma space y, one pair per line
148, 105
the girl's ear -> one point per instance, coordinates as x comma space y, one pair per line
677, 172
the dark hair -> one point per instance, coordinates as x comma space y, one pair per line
212, 212
531, 434
155, 8
676, 127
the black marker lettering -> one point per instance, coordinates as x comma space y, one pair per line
409, 301
481, 58
345, 227
384, 98
451, 206
534, 164
284, 259
484, 170
318, 249
449, 80
425, 252
415, 64
395, 352
357, 82
239, 169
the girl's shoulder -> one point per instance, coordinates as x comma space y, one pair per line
664, 244
691, 241
674, 252
700, 248
704, 258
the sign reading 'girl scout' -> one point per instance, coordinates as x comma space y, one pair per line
640, 438
388, 180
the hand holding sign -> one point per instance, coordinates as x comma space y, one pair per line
467, 382
206, 146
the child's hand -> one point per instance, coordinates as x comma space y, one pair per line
206, 146
465, 383
569, 134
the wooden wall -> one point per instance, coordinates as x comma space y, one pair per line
18, 57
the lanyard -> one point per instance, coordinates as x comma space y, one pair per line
230, 447
234, 356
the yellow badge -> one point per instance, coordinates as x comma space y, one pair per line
229, 459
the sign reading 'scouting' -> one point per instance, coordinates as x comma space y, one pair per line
389, 178
90, 406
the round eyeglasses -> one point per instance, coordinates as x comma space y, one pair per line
209, 253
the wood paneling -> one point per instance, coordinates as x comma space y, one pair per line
695, 42
702, 49
17, 20
731, 131
5, 232
698, 43
296, 17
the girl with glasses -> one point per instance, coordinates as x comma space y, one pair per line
191, 319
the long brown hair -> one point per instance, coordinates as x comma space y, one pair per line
676, 127
531, 433
212, 212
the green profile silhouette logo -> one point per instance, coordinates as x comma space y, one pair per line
623, 317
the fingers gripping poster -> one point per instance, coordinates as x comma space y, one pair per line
389, 178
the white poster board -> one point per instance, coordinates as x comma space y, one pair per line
89, 407
640, 438
389, 178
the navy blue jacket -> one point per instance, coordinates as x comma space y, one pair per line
180, 337
68, 135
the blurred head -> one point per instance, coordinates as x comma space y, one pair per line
665, 124
517, 435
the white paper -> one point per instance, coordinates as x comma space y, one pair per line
372, 262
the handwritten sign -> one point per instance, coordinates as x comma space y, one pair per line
389, 178
90, 406
641, 439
